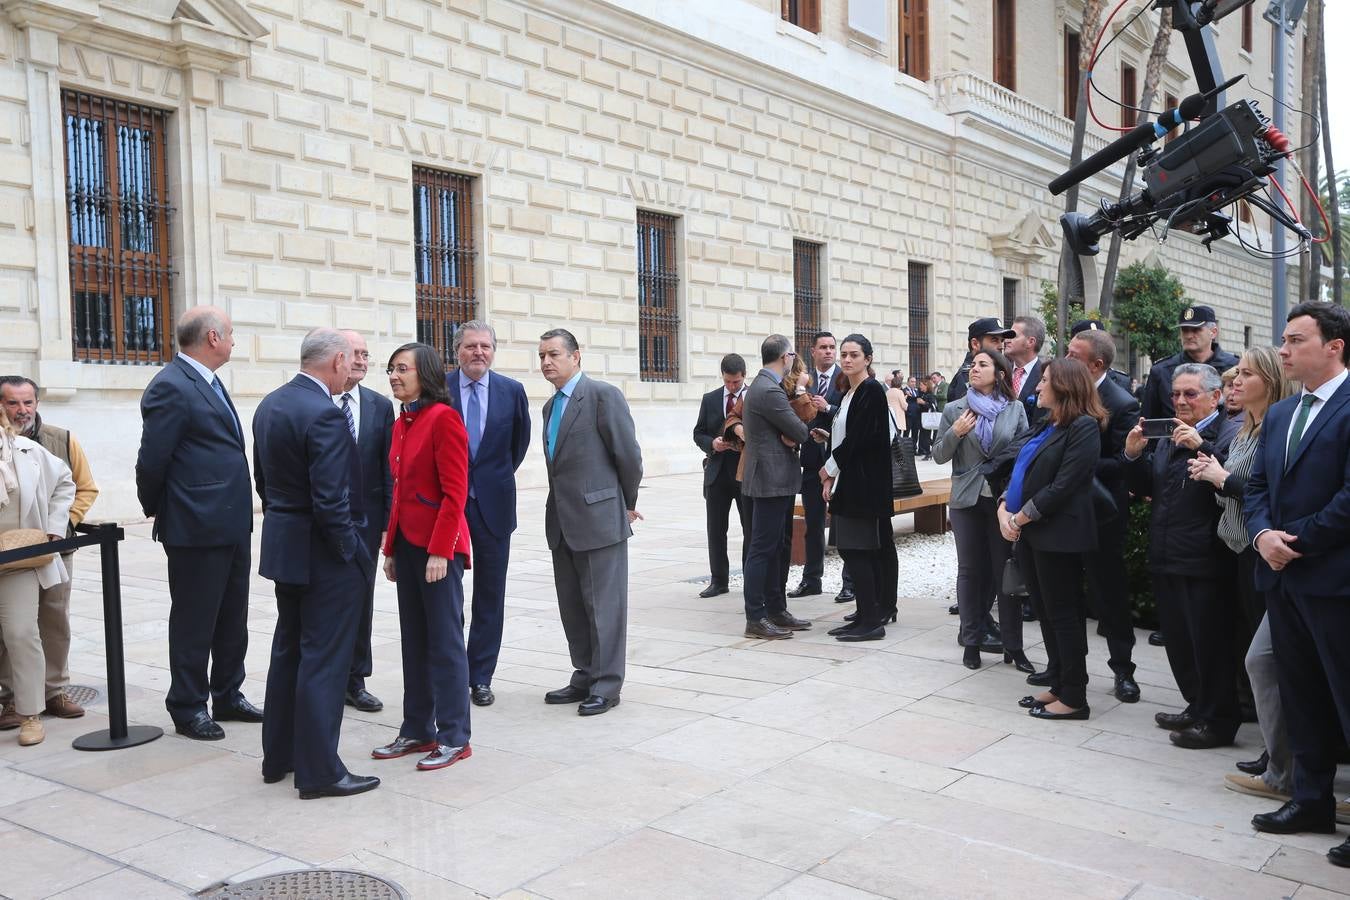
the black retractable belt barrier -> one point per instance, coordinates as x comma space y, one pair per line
117, 735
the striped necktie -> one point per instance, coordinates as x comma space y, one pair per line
347, 411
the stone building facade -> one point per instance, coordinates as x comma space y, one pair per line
796, 172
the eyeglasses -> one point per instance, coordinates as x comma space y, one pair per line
1190, 396
400, 369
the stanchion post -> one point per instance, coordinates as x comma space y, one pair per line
118, 734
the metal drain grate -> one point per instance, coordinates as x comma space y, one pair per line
83, 694
310, 884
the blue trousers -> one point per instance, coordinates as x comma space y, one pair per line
490, 556
435, 664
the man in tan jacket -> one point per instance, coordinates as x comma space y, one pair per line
19, 396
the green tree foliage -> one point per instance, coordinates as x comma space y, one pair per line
1149, 302
1049, 313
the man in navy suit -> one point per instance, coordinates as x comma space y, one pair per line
372, 417
1023, 351
1298, 516
308, 476
497, 416
192, 478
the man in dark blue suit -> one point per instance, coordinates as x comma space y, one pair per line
1298, 516
192, 478
372, 416
497, 416
309, 479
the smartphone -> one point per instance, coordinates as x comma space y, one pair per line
1158, 428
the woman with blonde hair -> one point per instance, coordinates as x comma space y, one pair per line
36, 491
1258, 384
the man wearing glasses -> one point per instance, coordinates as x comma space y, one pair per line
1187, 560
371, 419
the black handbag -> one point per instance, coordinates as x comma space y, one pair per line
904, 470
1014, 582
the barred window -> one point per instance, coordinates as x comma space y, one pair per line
658, 297
806, 294
443, 255
918, 318
1010, 299
803, 13
118, 214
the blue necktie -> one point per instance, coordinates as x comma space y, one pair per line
474, 411
347, 411
220, 392
554, 420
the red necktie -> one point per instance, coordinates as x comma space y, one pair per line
1019, 375
731, 401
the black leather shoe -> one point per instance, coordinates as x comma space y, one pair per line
481, 695
875, 633
851, 617
1040, 712
765, 630
1127, 690
443, 756
841, 629
1028, 614
989, 645
1156, 639
274, 777
1029, 702
200, 728
970, 658
789, 621
845, 596
568, 694
402, 746
1295, 817
594, 705
1040, 679
1340, 855
1174, 721
364, 700
349, 785
805, 589
713, 590
238, 711
1256, 766
1200, 736
953, 610
1018, 660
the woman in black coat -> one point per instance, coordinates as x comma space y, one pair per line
1048, 508
855, 482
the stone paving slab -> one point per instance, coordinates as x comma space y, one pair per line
795, 770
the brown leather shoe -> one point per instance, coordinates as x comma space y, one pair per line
63, 707
31, 731
789, 621
766, 630
10, 718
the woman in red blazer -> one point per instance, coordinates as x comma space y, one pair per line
426, 551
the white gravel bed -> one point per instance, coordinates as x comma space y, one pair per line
927, 568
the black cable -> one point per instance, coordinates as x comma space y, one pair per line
1102, 52
1317, 120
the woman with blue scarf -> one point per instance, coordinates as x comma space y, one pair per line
1048, 507
974, 429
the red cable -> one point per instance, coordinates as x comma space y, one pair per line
1092, 67
1317, 200
1289, 203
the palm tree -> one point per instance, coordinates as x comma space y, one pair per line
1157, 56
1310, 264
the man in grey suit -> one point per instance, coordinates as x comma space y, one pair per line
594, 469
772, 478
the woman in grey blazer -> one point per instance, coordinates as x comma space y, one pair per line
973, 430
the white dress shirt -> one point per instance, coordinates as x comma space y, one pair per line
355, 406
1323, 394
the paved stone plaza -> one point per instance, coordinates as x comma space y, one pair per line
793, 769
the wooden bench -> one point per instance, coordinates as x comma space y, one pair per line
929, 508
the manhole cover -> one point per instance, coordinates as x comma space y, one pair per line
83, 694
311, 884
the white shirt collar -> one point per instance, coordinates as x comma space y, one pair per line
201, 370
1329, 388
1098, 382
355, 392
321, 385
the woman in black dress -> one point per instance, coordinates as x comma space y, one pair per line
855, 482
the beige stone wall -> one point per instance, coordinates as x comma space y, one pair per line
292, 174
